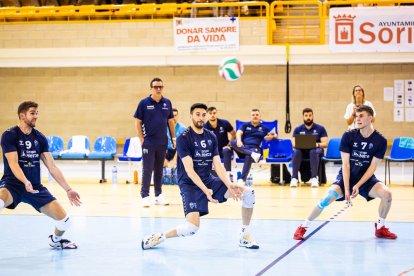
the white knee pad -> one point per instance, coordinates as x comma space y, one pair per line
64, 224
1, 205
186, 229
249, 198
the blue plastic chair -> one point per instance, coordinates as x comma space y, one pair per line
280, 152
76, 155
104, 147
332, 153
272, 125
55, 145
399, 153
125, 157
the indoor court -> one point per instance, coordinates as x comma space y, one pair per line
108, 228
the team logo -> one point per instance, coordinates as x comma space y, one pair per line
344, 29
195, 143
193, 205
355, 145
209, 142
145, 151
370, 146
21, 143
36, 143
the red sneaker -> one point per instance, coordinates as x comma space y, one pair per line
384, 233
299, 233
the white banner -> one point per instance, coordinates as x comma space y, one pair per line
371, 29
206, 34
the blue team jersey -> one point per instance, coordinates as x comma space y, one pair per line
318, 130
361, 151
154, 117
221, 132
179, 129
201, 148
253, 135
29, 148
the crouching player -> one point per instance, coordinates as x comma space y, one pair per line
197, 152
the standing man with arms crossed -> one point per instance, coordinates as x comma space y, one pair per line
361, 151
23, 148
222, 129
153, 115
197, 152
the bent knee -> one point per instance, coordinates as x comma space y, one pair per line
387, 196
186, 229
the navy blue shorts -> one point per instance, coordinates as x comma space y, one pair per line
19, 194
363, 190
194, 200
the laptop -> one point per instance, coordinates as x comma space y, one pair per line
305, 141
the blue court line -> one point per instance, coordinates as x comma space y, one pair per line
300, 242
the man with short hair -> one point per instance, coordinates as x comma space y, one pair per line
248, 141
222, 129
197, 152
23, 148
154, 114
361, 152
314, 155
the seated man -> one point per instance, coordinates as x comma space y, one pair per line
314, 155
171, 155
248, 141
222, 129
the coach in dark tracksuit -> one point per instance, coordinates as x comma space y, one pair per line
153, 115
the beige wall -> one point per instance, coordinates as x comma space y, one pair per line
101, 101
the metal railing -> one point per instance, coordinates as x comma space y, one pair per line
288, 22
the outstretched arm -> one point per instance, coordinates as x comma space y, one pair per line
50, 164
12, 159
189, 169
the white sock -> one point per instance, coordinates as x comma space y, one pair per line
380, 223
305, 223
56, 238
1, 205
244, 229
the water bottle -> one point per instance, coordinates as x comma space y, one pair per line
249, 180
114, 175
135, 177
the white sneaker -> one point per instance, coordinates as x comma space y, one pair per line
248, 242
152, 240
146, 202
255, 156
62, 244
293, 183
159, 200
314, 182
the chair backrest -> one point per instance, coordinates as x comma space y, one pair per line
280, 148
55, 143
333, 148
400, 151
105, 144
132, 147
87, 143
272, 125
